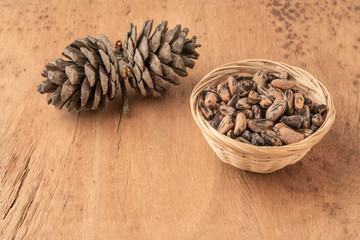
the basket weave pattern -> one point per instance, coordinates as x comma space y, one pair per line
261, 159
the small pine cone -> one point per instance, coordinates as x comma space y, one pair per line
88, 80
159, 60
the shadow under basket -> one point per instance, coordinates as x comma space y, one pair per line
261, 159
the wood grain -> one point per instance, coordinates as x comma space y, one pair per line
151, 175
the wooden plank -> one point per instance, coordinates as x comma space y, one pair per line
151, 174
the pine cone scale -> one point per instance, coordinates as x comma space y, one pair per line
90, 73
169, 74
75, 55
158, 81
97, 97
74, 73
57, 77
67, 90
56, 98
172, 34
133, 33
113, 73
91, 42
71, 104
188, 62
104, 79
155, 39
47, 86
130, 47
91, 56
177, 62
105, 59
137, 73
141, 88
178, 44
145, 32
138, 60
165, 53
144, 48
85, 92
60, 64
79, 43
155, 64
147, 78
112, 90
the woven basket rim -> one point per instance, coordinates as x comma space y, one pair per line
272, 150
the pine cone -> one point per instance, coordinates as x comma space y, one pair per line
159, 60
96, 70
88, 80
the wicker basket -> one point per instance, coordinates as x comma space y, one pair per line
261, 159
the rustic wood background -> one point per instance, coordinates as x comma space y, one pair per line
151, 175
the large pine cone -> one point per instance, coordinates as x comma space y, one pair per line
95, 70
159, 60
88, 80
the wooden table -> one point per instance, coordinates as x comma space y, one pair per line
151, 175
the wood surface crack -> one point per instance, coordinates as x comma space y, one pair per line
73, 140
118, 148
126, 186
117, 133
22, 179
64, 205
25, 212
92, 166
117, 155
